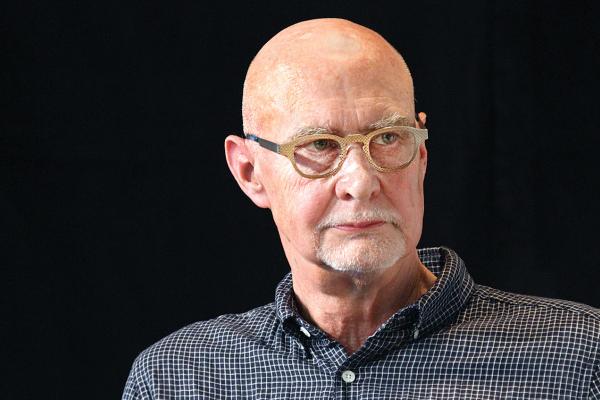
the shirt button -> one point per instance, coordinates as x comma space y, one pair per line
348, 376
305, 331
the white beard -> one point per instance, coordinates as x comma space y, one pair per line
362, 253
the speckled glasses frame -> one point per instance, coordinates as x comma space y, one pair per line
287, 149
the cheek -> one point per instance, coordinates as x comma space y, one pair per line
312, 205
406, 193
297, 204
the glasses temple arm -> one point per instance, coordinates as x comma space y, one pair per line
267, 144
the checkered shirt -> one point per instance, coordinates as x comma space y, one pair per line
458, 341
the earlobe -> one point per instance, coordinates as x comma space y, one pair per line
241, 164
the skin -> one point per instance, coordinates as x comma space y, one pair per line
337, 75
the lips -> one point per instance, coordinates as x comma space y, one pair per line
359, 226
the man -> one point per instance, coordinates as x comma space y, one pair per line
334, 149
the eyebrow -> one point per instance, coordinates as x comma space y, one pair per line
310, 130
388, 121
394, 119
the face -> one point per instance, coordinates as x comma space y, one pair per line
359, 220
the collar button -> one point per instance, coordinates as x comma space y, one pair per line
305, 331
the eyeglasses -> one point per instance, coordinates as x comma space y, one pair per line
321, 155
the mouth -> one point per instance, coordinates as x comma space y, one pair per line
359, 226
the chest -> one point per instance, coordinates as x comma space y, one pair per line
443, 366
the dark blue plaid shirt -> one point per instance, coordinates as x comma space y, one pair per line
458, 341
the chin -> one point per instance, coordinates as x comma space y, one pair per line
361, 256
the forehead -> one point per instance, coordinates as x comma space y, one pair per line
340, 98
343, 116
391, 120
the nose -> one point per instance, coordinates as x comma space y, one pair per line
357, 178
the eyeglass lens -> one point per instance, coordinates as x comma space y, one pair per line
389, 149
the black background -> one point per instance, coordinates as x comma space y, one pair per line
121, 223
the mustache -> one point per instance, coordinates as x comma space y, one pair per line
376, 214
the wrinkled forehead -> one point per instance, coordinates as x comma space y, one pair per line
348, 97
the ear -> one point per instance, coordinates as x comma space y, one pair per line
240, 160
423, 160
423, 155
421, 120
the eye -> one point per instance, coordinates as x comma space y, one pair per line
322, 144
387, 138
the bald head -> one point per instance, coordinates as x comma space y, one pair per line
321, 57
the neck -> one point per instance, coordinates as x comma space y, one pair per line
350, 307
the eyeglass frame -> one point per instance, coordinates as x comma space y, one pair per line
287, 149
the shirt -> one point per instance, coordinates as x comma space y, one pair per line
460, 340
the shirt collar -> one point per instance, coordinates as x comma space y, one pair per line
450, 293
434, 310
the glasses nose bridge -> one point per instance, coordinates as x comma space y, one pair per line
347, 143
349, 140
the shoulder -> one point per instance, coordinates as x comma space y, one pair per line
545, 313
200, 339
527, 302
